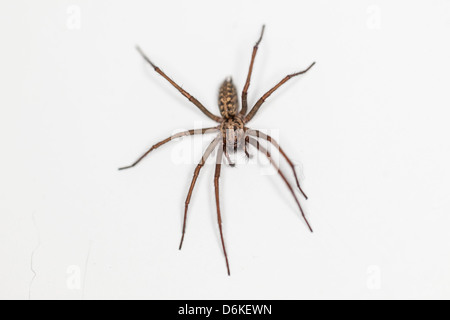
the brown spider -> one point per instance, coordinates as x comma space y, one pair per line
232, 135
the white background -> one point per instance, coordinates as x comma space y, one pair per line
367, 126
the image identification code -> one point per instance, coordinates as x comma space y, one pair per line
245, 309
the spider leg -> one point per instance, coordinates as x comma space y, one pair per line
258, 104
250, 69
219, 217
183, 92
259, 134
248, 155
257, 145
205, 156
178, 135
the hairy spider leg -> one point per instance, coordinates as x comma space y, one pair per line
178, 135
183, 92
205, 157
258, 104
260, 148
250, 69
219, 217
259, 134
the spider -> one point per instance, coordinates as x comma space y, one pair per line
232, 135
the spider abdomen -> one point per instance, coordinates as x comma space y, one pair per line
228, 100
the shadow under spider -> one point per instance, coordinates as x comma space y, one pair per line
232, 135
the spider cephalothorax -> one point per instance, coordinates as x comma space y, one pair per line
232, 135
233, 131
